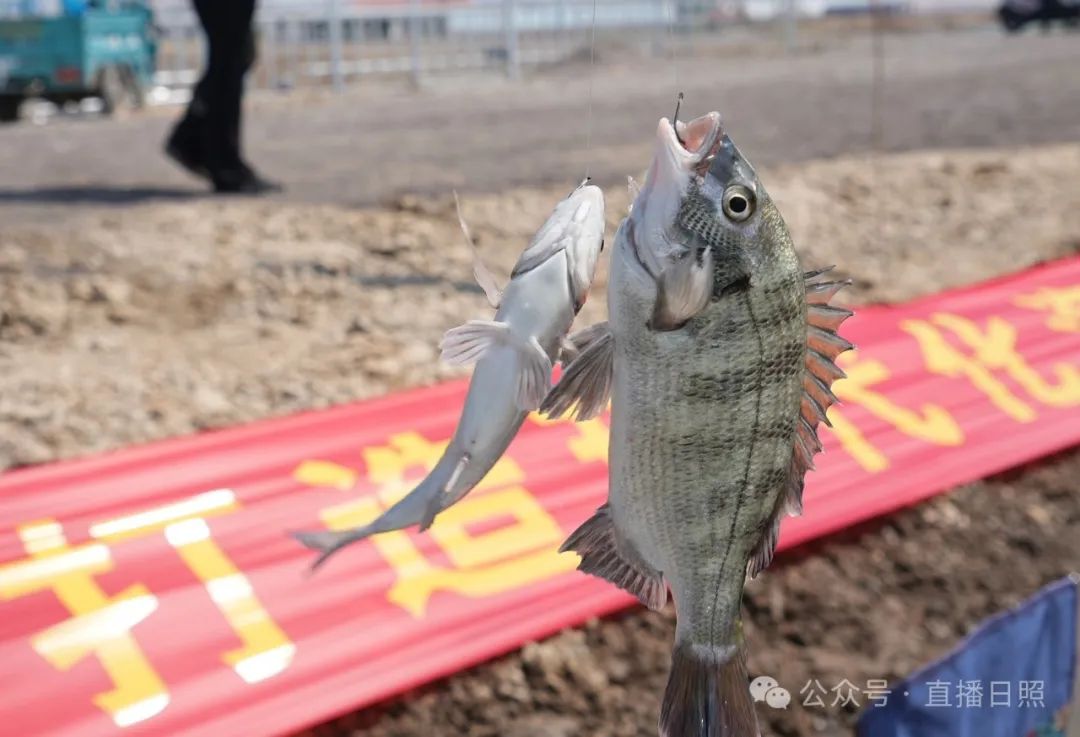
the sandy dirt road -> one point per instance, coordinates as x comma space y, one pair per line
968, 88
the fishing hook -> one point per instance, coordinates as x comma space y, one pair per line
675, 120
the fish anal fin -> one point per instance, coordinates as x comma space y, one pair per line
605, 556
763, 552
682, 291
585, 386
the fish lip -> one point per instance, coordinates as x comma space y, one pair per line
703, 139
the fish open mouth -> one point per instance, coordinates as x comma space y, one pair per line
695, 141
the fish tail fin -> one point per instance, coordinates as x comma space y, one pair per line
707, 695
418, 507
328, 542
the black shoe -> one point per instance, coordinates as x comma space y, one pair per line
243, 181
187, 155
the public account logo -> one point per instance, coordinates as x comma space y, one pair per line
766, 688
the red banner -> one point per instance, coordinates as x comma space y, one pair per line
154, 590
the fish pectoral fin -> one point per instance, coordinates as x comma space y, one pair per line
585, 337
568, 351
682, 291
571, 346
586, 383
603, 555
534, 376
467, 343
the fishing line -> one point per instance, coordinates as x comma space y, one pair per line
592, 77
669, 11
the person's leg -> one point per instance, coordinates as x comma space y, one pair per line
186, 142
227, 26
232, 52
215, 112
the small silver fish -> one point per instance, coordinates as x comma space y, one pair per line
513, 355
718, 357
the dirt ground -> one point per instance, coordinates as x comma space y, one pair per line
121, 325
134, 308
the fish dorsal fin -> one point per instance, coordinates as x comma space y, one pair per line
483, 275
823, 345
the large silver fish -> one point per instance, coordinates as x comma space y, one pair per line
718, 358
513, 355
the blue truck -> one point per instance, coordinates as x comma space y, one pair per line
87, 49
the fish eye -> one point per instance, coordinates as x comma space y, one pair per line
738, 202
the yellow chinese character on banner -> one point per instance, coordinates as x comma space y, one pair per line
1063, 304
265, 649
521, 548
930, 422
100, 625
992, 348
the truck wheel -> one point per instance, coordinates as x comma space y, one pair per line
9, 108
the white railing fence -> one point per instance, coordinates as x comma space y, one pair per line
338, 42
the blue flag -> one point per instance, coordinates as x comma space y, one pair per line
1013, 677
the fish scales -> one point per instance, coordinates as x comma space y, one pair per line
718, 358
709, 427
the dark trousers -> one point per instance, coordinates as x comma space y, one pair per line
211, 125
